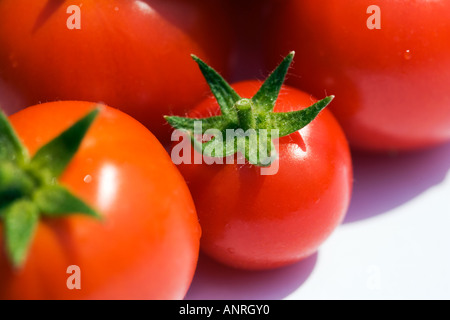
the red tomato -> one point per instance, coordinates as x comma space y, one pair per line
130, 54
146, 246
391, 84
255, 221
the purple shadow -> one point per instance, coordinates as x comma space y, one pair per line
214, 281
382, 183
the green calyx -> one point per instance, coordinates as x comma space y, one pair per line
29, 186
245, 125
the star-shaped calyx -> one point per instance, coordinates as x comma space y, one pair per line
29, 187
246, 125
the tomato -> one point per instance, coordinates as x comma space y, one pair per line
146, 244
391, 84
131, 55
255, 221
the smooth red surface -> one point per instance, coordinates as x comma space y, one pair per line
391, 84
130, 54
253, 221
146, 246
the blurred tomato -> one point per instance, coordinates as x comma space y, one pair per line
391, 84
130, 54
146, 245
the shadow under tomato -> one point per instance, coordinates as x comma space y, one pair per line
214, 281
382, 183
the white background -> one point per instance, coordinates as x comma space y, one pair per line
393, 244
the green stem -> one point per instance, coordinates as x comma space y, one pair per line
255, 113
246, 118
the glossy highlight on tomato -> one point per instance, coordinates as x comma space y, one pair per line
146, 244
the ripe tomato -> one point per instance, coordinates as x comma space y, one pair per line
132, 55
255, 221
391, 84
146, 245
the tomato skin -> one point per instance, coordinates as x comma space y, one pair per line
251, 221
391, 84
132, 55
146, 246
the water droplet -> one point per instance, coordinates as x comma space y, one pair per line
407, 55
87, 178
116, 8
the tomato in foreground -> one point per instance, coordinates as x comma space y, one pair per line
145, 243
255, 221
391, 83
129, 54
